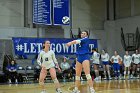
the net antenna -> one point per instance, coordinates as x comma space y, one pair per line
130, 41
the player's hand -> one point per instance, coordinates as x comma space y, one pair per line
59, 70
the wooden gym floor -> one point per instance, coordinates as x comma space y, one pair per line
113, 86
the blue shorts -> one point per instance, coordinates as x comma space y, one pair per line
116, 66
82, 57
105, 62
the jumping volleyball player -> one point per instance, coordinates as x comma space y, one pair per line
46, 59
127, 62
82, 60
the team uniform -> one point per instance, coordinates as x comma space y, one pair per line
82, 54
136, 58
83, 49
127, 60
105, 59
135, 61
95, 58
116, 65
48, 60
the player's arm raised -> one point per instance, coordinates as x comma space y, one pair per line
73, 42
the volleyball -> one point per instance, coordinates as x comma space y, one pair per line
65, 20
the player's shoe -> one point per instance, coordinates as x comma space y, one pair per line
75, 90
92, 90
58, 90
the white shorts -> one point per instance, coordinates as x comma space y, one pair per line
136, 62
96, 62
127, 65
48, 66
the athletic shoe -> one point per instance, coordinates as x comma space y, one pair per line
10, 81
138, 77
131, 77
92, 90
75, 90
58, 90
105, 78
110, 78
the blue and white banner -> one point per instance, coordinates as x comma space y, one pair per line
24, 46
61, 9
42, 12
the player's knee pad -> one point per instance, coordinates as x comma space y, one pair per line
41, 83
88, 76
55, 80
77, 78
118, 71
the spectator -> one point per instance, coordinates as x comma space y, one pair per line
12, 71
65, 67
73, 68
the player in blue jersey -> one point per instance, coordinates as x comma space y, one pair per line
82, 60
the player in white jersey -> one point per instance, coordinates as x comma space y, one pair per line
47, 60
135, 61
116, 59
105, 61
96, 61
127, 62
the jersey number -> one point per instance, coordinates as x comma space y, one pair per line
46, 59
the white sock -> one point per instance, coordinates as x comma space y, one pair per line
124, 73
108, 73
105, 73
128, 72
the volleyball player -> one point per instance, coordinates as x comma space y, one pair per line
96, 62
105, 60
135, 63
127, 62
47, 60
82, 61
116, 59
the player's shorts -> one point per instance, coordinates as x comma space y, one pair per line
116, 66
136, 63
105, 62
96, 62
82, 57
127, 65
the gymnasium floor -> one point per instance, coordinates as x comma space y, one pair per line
113, 86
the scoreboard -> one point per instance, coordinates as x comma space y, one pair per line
42, 12
51, 12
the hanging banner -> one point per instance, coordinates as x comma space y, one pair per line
34, 45
61, 12
42, 12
